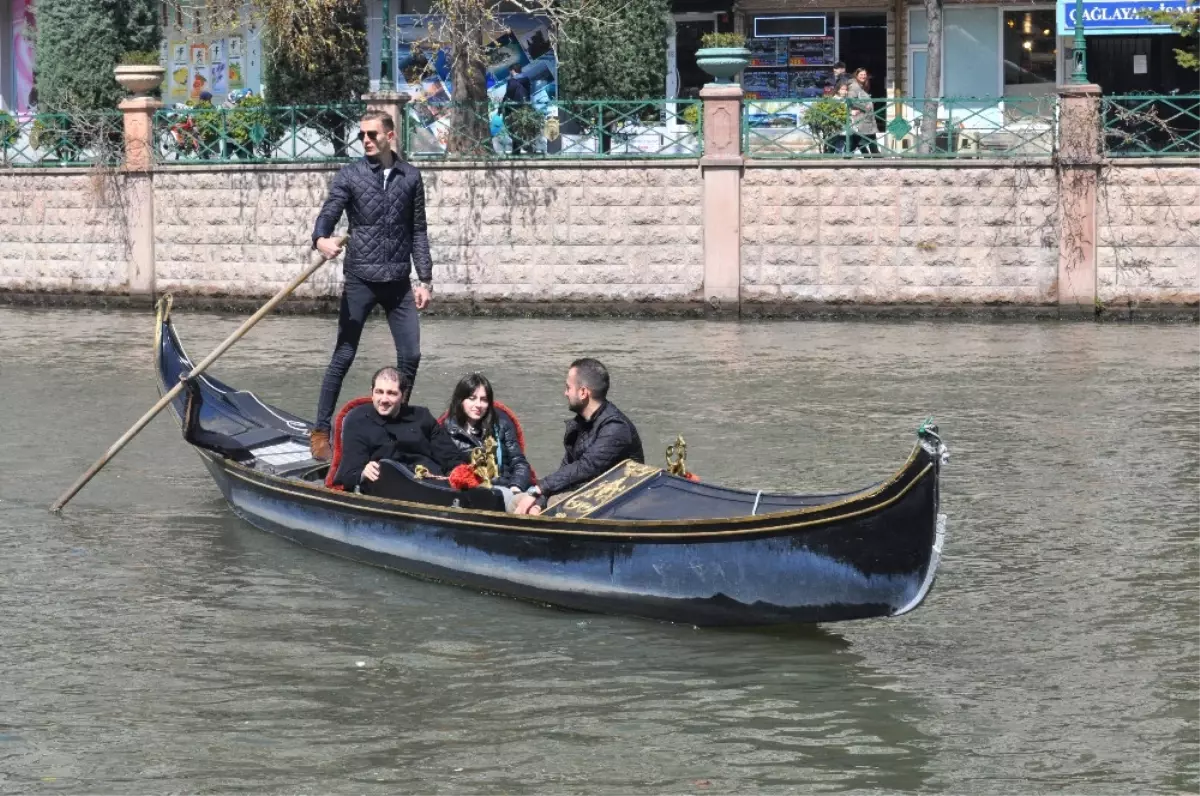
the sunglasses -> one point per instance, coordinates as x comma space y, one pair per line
365, 134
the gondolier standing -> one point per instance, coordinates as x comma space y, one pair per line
384, 201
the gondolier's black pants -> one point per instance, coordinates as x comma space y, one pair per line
359, 297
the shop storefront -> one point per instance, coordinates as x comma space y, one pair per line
1127, 53
989, 52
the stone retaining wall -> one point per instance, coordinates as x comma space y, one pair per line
631, 234
867, 234
563, 234
1148, 234
62, 231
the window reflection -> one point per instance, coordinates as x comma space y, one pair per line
1030, 54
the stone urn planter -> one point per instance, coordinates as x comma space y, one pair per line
138, 79
723, 55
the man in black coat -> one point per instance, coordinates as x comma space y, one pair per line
598, 438
391, 429
516, 95
384, 200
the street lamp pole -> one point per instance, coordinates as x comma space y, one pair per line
385, 61
1079, 74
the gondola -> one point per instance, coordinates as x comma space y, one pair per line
639, 541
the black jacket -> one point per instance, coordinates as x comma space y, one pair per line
513, 466
388, 233
593, 447
412, 437
516, 90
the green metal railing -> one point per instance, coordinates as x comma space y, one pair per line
832, 127
574, 130
258, 133
1151, 125
83, 138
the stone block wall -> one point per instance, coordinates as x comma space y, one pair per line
598, 233
1148, 233
62, 231
864, 233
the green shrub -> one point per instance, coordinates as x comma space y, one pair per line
724, 40
139, 58
620, 58
525, 123
10, 131
827, 117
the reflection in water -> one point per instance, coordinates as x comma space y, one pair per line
151, 641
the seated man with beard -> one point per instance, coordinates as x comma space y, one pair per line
598, 438
390, 429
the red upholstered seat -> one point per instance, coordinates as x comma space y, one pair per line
335, 439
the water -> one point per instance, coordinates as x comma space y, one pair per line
151, 642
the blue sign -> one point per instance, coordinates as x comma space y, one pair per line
1116, 17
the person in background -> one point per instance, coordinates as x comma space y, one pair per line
516, 95
839, 75
862, 114
840, 143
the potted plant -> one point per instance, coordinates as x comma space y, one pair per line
828, 119
139, 72
722, 55
525, 124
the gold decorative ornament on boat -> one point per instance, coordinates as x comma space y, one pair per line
677, 457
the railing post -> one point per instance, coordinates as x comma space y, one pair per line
391, 103
1079, 160
721, 167
138, 120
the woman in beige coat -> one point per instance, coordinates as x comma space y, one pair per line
862, 114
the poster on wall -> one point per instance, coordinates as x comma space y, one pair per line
424, 72
201, 82
23, 36
220, 78
235, 74
178, 72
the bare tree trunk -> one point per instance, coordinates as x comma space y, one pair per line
933, 77
469, 126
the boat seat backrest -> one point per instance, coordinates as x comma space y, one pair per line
335, 438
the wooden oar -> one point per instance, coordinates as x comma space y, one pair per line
315, 262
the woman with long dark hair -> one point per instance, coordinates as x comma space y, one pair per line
473, 417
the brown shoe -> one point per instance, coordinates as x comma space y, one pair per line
319, 445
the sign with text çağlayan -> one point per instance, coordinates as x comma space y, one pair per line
1116, 17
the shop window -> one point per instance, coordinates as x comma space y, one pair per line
1030, 51
971, 62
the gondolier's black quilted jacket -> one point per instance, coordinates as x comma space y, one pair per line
388, 235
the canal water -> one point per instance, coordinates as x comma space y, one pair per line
152, 642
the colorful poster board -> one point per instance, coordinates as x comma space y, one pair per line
424, 72
784, 68
218, 62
